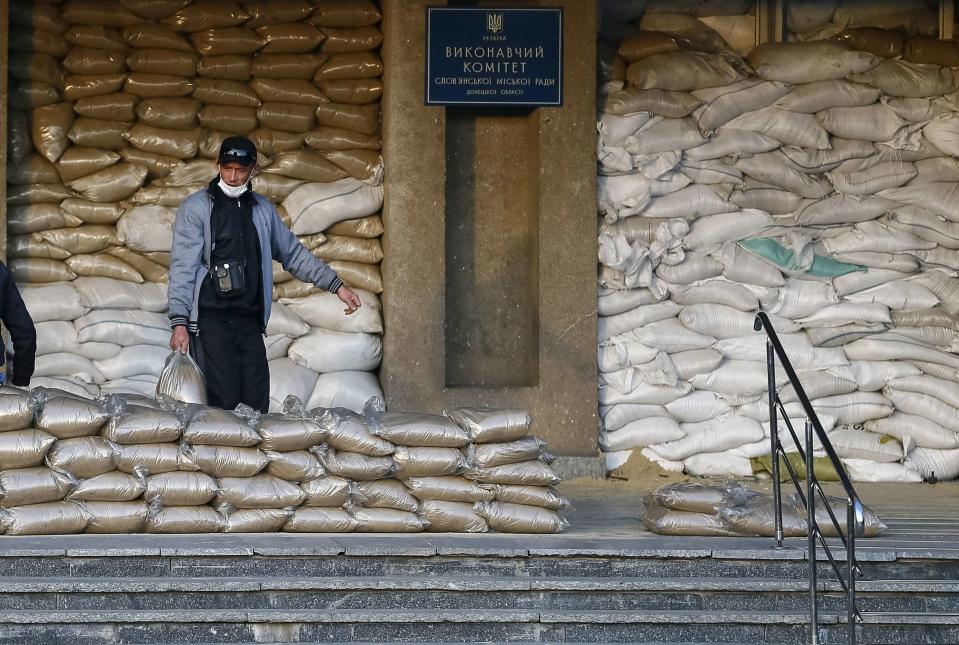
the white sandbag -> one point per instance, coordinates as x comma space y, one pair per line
723, 104
613, 129
698, 405
60, 301
943, 133
719, 291
867, 470
715, 435
617, 301
939, 197
640, 433
855, 407
287, 378
820, 382
63, 364
914, 429
670, 335
314, 207
775, 169
942, 389
734, 377
789, 128
723, 321
916, 110
718, 464
621, 351
852, 283
876, 237
934, 465
620, 196
802, 354
285, 321
846, 313
936, 169
323, 350
744, 267
661, 135
902, 78
616, 416
814, 97
124, 327
691, 362
350, 390
694, 268
659, 371
630, 100
134, 359
710, 172
926, 225
327, 311
690, 202
902, 262
843, 209
682, 71
798, 298
107, 293
850, 443
869, 349
874, 122
872, 180
841, 152
872, 376
900, 294
610, 326
147, 228
644, 394
708, 232
729, 141
808, 62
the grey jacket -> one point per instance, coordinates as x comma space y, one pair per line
189, 257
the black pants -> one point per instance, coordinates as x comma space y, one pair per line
232, 356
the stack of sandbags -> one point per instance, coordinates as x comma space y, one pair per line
117, 111
127, 463
812, 181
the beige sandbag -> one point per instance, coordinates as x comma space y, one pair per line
365, 227
15, 410
156, 85
50, 125
228, 461
388, 493
103, 266
180, 489
291, 66
190, 172
25, 95
185, 519
113, 486
91, 212
357, 39
427, 462
130, 423
524, 473
356, 466
27, 246
114, 107
924, 49
346, 13
32, 170
683, 71
261, 491
37, 194
256, 520
33, 486
215, 427
349, 431
498, 454
79, 161
206, 15
666, 521
44, 16
33, 66
83, 60
228, 118
269, 141
234, 67
154, 9
151, 35
55, 518
293, 289
99, 12
84, 85
182, 144
360, 118
23, 448
84, 457
96, 37
98, 133
359, 91
227, 40
225, 92
311, 519
361, 164
156, 165
162, 196
328, 491
156, 458
518, 518
490, 425
115, 517
40, 41
327, 138
210, 141
163, 61
19, 144
544, 496
289, 117
40, 270
417, 429
646, 43
305, 165
172, 113
452, 489
287, 90
886, 43
283, 433
276, 11
905, 79
387, 520
290, 38
361, 276
452, 517
294, 466
111, 184
160, 257
275, 187
350, 65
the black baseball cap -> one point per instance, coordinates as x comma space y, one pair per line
237, 150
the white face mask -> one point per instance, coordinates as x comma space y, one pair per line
232, 191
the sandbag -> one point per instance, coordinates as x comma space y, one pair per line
518, 518
227, 461
227, 40
113, 486
83, 457
808, 62
290, 38
311, 519
288, 117
49, 129
234, 67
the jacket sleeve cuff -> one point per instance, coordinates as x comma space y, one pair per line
178, 321
335, 285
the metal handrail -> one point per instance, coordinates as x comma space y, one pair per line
855, 516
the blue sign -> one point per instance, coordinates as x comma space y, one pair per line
494, 56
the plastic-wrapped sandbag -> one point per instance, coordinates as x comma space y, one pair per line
16, 412
312, 519
499, 454
491, 425
55, 518
24, 448
542, 496
111, 184
524, 473
50, 125
113, 486
458, 517
180, 489
83, 457
416, 429
227, 461
256, 520
156, 458
355, 466
388, 493
331, 491
452, 489
213, 426
387, 520
666, 521
131, 424
518, 518
260, 491
64, 415
182, 380
282, 433
33, 170
427, 462
33, 486
163, 61
274, 12
115, 517
223, 41
364, 119
351, 432
294, 466
184, 519
701, 498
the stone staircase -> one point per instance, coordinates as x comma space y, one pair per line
379, 589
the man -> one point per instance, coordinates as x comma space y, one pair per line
19, 325
221, 279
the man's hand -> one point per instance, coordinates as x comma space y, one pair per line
349, 298
180, 339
